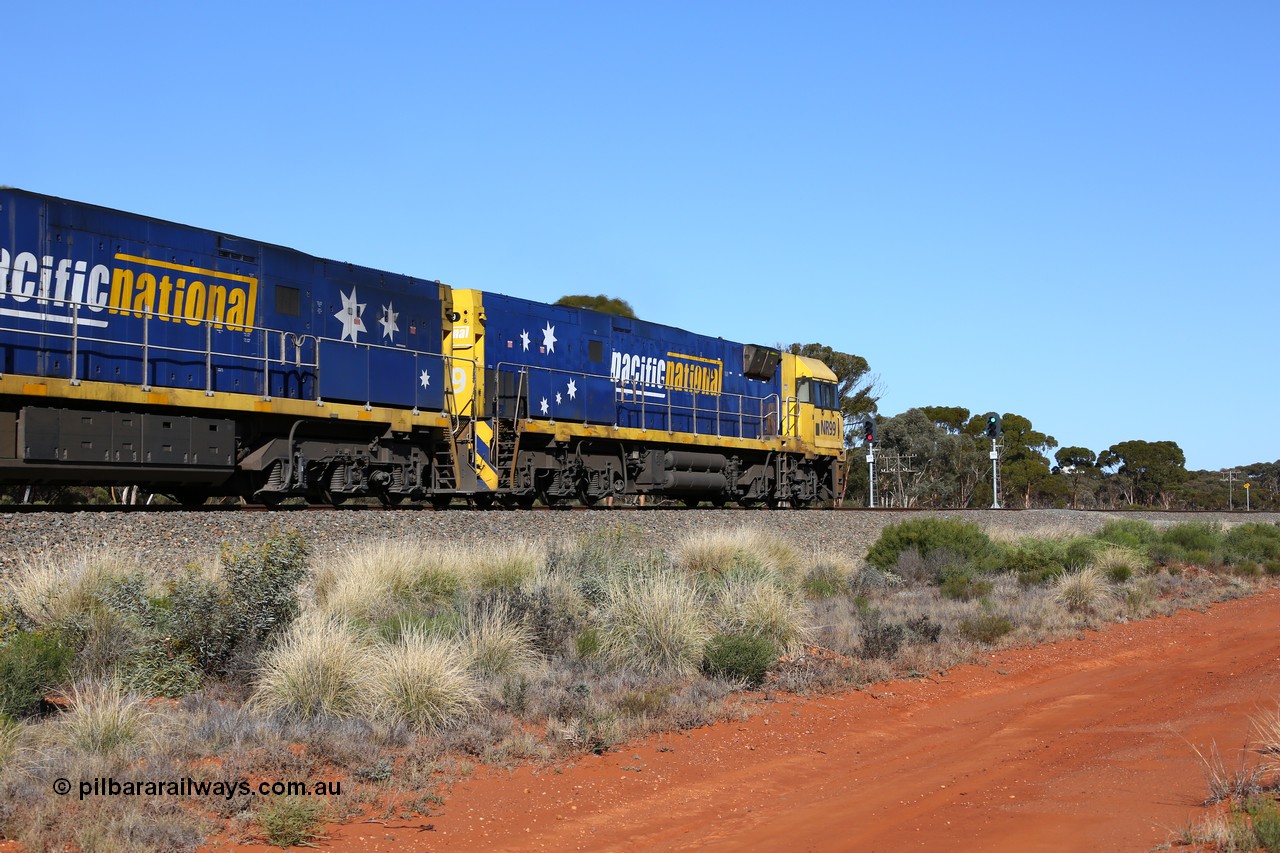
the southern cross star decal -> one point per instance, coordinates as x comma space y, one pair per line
524, 339
545, 407
425, 379
573, 389
388, 321
558, 398
352, 323
549, 338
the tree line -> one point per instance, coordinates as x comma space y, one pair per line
939, 457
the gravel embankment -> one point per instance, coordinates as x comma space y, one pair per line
174, 539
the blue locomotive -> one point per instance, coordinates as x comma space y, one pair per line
195, 363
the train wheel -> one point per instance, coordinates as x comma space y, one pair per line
691, 503
482, 501
441, 501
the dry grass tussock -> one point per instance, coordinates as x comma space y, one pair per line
1082, 591
57, 592
495, 641
318, 668
655, 624
105, 720
422, 682
1266, 729
761, 608
714, 553
379, 579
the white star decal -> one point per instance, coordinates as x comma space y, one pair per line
388, 321
524, 339
545, 407
352, 324
557, 398
549, 338
426, 379
573, 390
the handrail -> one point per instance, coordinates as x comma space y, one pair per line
636, 388
78, 339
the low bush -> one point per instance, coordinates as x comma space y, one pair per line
291, 821
929, 535
1035, 561
739, 657
1118, 564
32, 663
963, 586
1131, 533
1197, 537
495, 641
1252, 541
881, 639
986, 628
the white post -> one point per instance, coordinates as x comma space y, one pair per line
995, 475
871, 472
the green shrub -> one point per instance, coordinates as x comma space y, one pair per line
962, 586
31, 664
986, 628
1272, 567
154, 670
1129, 533
195, 613
1080, 551
263, 578
1035, 561
1199, 557
1118, 564
927, 535
1266, 824
739, 657
1247, 569
292, 821
1166, 554
1195, 536
1252, 541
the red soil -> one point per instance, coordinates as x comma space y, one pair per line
1083, 744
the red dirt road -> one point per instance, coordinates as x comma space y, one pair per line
1083, 744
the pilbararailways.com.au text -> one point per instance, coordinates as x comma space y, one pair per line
105, 786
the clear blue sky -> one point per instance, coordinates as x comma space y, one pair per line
1069, 211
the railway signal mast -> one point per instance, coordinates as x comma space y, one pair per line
994, 431
869, 439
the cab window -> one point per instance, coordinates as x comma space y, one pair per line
824, 395
804, 390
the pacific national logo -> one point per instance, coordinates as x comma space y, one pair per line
49, 289
637, 374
